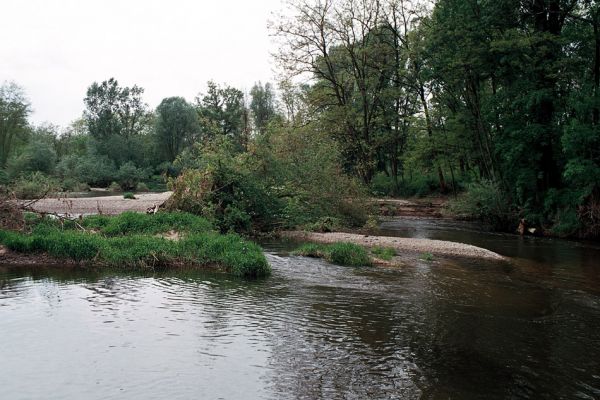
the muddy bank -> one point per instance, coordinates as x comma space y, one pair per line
402, 245
108, 205
8, 257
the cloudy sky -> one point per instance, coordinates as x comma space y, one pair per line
56, 48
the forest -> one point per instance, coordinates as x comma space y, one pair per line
494, 104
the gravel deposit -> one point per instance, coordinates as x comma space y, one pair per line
109, 205
402, 245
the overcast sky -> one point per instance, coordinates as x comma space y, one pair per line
56, 48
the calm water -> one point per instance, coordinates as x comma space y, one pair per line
447, 329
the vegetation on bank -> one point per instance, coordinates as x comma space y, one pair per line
346, 254
495, 102
132, 241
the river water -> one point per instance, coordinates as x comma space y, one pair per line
458, 329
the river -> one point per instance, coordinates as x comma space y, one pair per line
445, 329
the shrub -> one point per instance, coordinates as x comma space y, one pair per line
34, 186
485, 201
129, 176
92, 169
70, 185
4, 178
142, 187
347, 254
114, 187
234, 201
129, 196
37, 156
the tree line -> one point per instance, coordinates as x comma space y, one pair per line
493, 102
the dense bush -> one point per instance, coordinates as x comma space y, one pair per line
37, 156
231, 199
129, 176
91, 169
485, 201
34, 186
141, 187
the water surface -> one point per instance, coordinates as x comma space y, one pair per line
448, 329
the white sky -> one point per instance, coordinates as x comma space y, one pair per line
56, 48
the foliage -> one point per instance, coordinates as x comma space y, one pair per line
129, 196
129, 176
487, 202
142, 187
224, 192
14, 110
177, 126
34, 186
223, 114
262, 105
114, 187
37, 156
347, 254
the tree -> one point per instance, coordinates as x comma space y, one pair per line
115, 116
340, 45
14, 111
221, 110
176, 125
262, 105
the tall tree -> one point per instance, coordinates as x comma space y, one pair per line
14, 111
116, 116
262, 105
176, 125
221, 110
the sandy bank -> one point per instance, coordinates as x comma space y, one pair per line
402, 245
109, 205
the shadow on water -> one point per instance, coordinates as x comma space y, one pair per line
442, 329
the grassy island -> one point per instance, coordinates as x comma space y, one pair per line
135, 241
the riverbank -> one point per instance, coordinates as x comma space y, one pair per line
415, 247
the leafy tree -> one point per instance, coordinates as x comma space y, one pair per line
176, 125
115, 115
262, 105
14, 111
222, 112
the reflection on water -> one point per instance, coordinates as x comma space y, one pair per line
448, 329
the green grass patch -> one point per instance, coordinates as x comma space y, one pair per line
384, 253
129, 196
347, 254
128, 242
427, 257
150, 224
